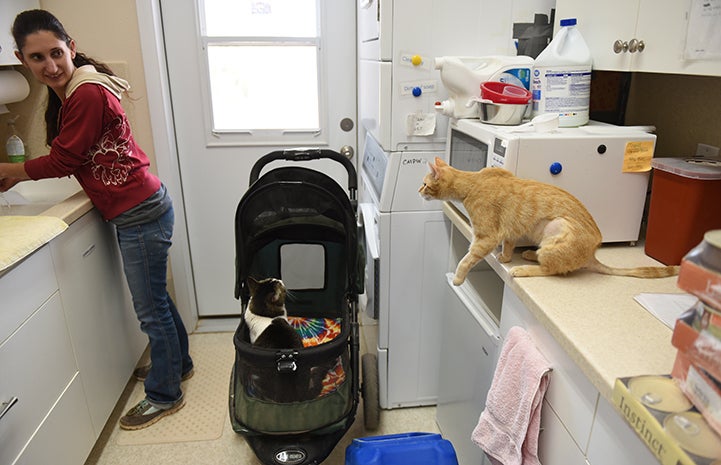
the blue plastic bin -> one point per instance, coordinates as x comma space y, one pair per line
401, 449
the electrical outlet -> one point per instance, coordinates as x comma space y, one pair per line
707, 151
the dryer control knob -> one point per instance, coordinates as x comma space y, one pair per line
417, 91
555, 168
416, 60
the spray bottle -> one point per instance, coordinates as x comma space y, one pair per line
14, 145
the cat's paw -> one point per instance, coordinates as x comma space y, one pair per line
504, 258
458, 281
519, 271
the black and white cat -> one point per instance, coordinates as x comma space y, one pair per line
267, 320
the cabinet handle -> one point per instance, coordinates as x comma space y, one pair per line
6, 406
89, 250
635, 45
620, 46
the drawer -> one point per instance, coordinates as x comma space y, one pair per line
555, 445
37, 364
54, 442
24, 289
570, 394
613, 441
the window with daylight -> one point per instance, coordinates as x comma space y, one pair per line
263, 64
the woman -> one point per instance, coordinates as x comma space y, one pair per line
90, 138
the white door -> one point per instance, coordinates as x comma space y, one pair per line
247, 78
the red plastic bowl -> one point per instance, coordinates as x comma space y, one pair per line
503, 92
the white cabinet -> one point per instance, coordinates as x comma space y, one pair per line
38, 368
570, 395
649, 35
103, 327
612, 440
8, 10
469, 352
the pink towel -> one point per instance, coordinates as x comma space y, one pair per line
508, 428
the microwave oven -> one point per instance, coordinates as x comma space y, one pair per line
587, 161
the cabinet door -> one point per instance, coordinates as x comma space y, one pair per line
37, 365
8, 10
613, 442
54, 442
660, 24
570, 394
103, 327
468, 360
601, 24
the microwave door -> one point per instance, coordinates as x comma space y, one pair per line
467, 153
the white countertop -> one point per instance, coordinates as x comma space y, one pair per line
594, 317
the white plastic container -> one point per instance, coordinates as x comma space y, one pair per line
562, 77
462, 78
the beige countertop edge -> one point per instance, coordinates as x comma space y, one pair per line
594, 317
71, 209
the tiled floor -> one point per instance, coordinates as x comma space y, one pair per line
231, 448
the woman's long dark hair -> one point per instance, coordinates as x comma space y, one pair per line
31, 21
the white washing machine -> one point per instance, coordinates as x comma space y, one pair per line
407, 240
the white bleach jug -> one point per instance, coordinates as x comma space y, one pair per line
562, 77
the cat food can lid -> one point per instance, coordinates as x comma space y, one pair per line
694, 168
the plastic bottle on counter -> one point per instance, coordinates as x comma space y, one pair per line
14, 146
562, 77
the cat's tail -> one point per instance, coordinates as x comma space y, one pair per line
638, 272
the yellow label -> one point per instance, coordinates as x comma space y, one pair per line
637, 157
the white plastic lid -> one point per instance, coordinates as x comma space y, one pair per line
694, 168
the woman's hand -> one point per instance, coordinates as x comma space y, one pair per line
11, 174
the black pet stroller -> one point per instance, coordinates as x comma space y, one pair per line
299, 225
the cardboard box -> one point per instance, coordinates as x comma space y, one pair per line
701, 282
702, 390
694, 336
676, 437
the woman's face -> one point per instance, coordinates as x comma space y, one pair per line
49, 59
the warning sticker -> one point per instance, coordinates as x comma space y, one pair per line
637, 157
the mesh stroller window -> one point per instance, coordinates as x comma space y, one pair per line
302, 266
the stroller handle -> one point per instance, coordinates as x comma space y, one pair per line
306, 155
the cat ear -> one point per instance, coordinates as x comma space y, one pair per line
435, 171
252, 283
440, 162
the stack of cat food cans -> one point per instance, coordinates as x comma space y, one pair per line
697, 333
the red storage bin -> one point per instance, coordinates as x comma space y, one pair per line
685, 203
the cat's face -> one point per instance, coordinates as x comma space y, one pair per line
270, 290
431, 188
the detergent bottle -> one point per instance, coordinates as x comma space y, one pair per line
462, 78
562, 77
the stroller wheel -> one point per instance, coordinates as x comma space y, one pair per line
371, 404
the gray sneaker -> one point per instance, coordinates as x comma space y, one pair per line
144, 415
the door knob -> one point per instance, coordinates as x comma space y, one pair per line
620, 46
347, 151
635, 45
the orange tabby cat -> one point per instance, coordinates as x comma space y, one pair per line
504, 208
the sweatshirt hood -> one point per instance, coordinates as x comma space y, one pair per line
88, 74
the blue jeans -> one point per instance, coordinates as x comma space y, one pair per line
144, 249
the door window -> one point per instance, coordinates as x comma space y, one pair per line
263, 66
